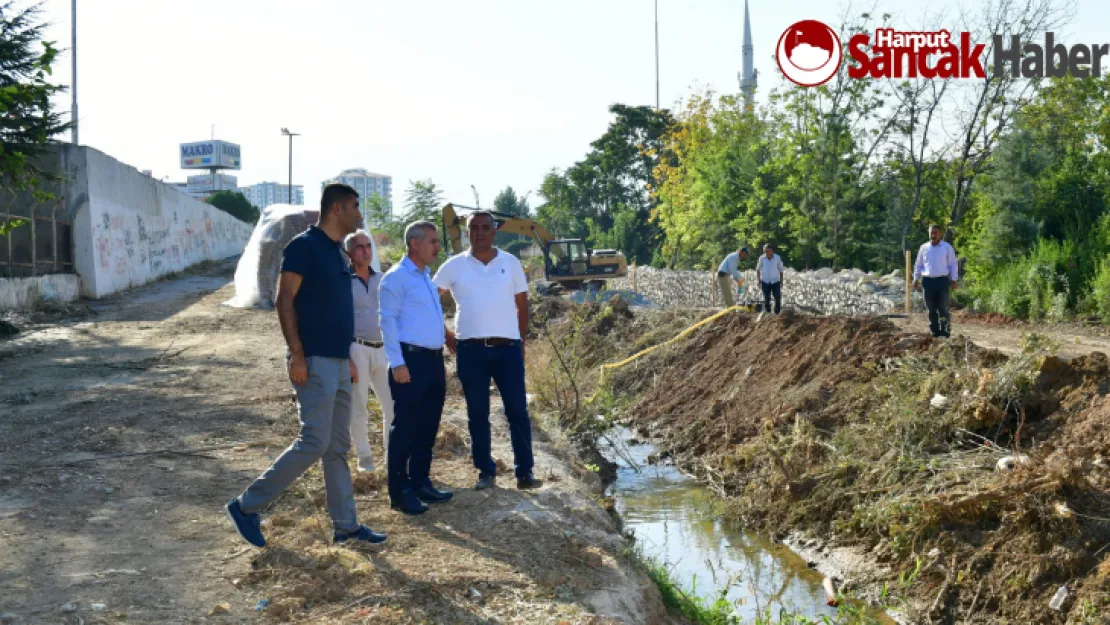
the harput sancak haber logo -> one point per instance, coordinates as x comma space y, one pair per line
809, 54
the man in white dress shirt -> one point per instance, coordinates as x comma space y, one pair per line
769, 269
937, 272
491, 291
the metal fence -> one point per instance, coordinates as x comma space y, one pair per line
43, 244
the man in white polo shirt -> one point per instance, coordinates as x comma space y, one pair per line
938, 272
491, 291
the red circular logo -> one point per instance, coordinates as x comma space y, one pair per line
808, 53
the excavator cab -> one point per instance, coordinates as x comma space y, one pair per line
567, 258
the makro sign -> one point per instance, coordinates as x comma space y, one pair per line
210, 155
809, 54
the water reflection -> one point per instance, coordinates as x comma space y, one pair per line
668, 513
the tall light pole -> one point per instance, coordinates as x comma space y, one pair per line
73, 48
657, 55
285, 131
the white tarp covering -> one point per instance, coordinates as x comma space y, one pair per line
257, 273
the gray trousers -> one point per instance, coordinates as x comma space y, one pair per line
726, 286
325, 404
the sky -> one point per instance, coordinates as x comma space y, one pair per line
489, 93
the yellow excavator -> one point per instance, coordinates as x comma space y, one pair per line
568, 262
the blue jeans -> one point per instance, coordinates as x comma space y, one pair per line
477, 364
417, 408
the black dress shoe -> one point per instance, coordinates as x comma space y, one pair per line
528, 481
429, 494
485, 480
408, 503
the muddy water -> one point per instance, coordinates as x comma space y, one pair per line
669, 514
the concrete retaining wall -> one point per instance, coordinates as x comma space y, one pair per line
850, 292
25, 293
134, 229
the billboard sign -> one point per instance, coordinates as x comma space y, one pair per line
205, 183
210, 155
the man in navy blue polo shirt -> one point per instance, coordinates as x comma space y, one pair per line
316, 312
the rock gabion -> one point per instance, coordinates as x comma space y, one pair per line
848, 292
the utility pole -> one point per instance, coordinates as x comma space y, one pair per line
475, 190
657, 55
285, 131
73, 86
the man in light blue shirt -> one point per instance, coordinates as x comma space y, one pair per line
411, 319
729, 272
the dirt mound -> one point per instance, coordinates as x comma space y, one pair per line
892, 442
985, 318
739, 375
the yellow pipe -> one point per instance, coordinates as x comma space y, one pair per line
677, 337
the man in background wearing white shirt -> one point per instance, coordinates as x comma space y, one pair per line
491, 291
937, 271
729, 272
769, 268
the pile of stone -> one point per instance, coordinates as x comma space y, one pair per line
848, 292
669, 287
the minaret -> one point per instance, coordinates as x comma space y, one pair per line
748, 74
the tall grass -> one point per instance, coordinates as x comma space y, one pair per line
700, 610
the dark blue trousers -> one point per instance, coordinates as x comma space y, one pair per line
477, 364
417, 408
937, 298
771, 289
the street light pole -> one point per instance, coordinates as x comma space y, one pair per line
73, 49
657, 55
285, 131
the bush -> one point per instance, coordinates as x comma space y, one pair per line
1035, 287
236, 205
1100, 290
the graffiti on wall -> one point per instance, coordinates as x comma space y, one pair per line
133, 249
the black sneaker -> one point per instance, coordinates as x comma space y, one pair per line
485, 481
527, 482
248, 525
362, 534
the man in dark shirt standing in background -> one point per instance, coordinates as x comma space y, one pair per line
316, 312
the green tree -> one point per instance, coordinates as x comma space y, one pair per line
27, 120
716, 149
509, 203
423, 201
616, 175
235, 204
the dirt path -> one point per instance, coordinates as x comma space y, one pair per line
1007, 338
143, 539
